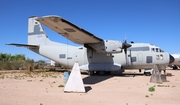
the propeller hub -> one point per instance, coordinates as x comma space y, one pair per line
125, 45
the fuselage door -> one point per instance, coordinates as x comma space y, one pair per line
140, 57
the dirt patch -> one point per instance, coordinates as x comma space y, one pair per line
46, 88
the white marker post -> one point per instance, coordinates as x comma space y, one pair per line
156, 76
75, 83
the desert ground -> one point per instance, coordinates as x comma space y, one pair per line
46, 88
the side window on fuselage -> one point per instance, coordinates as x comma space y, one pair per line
133, 59
139, 48
62, 56
149, 59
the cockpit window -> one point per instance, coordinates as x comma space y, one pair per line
138, 48
156, 50
161, 50
153, 49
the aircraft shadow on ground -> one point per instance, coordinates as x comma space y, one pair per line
96, 78
87, 88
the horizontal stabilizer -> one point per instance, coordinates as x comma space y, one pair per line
24, 45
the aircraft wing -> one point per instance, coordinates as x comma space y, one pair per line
69, 30
23, 45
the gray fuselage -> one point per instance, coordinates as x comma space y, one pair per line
139, 56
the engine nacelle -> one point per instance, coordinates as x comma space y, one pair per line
108, 46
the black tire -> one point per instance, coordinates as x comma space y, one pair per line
91, 73
101, 73
147, 73
175, 67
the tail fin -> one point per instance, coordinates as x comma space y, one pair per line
36, 33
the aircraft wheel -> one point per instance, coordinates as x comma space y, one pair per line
91, 73
108, 72
175, 67
101, 73
147, 73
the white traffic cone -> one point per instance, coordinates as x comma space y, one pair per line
75, 83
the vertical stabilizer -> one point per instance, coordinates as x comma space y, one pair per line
36, 33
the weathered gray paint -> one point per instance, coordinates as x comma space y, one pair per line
89, 58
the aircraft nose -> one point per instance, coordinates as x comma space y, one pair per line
171, 60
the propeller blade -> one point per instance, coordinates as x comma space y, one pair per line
126, 45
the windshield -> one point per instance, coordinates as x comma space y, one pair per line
156, 50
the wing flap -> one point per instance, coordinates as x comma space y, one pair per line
23, 45
69, 30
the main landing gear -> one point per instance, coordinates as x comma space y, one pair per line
101, 73
147, 72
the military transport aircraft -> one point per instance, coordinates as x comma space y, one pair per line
96, 55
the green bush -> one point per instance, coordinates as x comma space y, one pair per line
14, 62
61, 86
151, 89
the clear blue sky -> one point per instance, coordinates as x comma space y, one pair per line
148, 21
